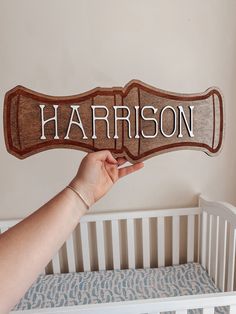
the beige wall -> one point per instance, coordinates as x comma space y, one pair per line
67, 47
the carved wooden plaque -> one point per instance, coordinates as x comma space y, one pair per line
137, 121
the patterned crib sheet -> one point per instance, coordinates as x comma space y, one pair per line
118, 285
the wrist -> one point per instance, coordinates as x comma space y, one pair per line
78, 193
83, 191
78, 206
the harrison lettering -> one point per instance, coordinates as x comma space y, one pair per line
156, 118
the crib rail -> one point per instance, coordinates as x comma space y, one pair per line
179, 305
131, 217
218, 229
144, 238
114, 233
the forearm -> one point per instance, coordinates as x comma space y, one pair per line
27, 247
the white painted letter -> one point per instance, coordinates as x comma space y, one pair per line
79, 124
43, 122
161, 121
190, 129
150, 119
122, 118
100, 118
136, 121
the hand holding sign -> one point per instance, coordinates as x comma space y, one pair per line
98, 172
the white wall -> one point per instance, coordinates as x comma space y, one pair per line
62, 47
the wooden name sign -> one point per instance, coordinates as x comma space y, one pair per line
137, 121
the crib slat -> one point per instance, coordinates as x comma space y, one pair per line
130, 241
146, 242
222, 252
85, 246
161, 241
175, 240
190, 244
198, 238
204, 239
56, 264
231, 260
70, 254
100, 245
214, 247
232, 309
210, 310
115, 244
209, 244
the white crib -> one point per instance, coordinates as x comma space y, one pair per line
210, 240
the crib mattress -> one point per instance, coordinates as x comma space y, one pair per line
117, 285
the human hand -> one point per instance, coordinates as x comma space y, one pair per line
98, 172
